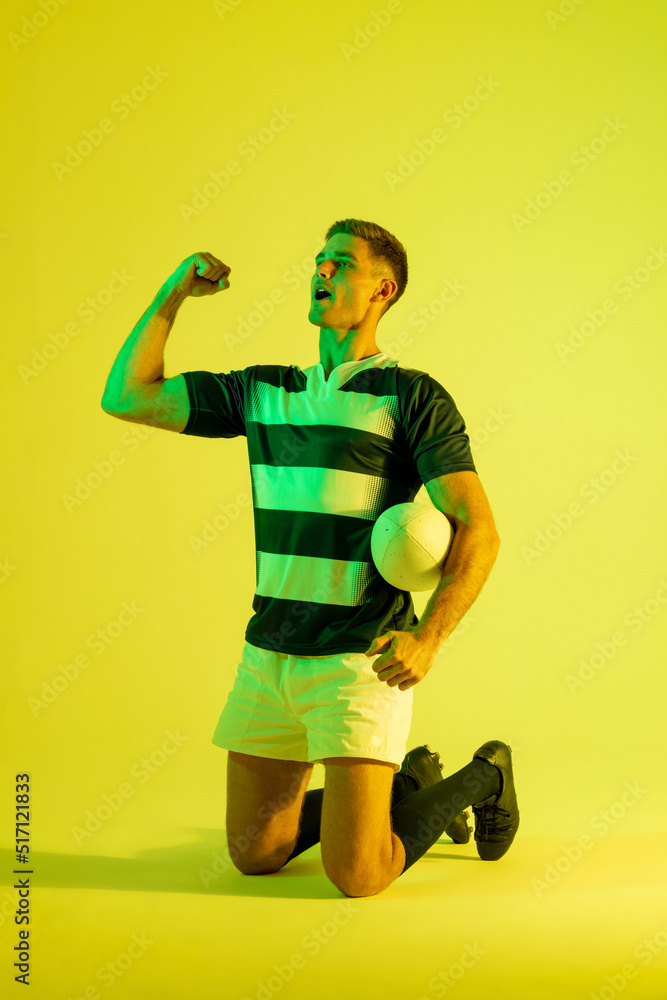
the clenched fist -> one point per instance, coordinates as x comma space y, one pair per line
200, 274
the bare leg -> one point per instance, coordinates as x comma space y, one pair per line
360, 853
264, 799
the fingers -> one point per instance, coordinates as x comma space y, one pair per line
393, 673
209, 266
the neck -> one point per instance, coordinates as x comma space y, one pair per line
350, 347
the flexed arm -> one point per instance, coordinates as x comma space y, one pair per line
136, 388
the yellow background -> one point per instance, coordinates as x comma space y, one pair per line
545, 426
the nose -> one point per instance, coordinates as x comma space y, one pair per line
327, 271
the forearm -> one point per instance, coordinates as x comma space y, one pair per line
141, 358
471, 556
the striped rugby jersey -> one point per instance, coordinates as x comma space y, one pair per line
327, 457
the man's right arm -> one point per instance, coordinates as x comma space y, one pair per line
136, 388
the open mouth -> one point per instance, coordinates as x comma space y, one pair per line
321, 293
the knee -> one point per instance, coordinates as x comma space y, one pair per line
257, 862
249, 865
351, 882
355, 887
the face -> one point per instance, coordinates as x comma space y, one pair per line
344, 268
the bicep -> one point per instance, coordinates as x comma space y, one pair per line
164, 403
461, 498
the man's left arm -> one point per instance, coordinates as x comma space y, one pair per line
461, 498
410, 655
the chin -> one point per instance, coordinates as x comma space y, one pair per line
317, 320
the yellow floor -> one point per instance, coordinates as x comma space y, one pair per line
162, 923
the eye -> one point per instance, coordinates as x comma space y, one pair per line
340, 263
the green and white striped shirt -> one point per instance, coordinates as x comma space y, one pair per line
327, 457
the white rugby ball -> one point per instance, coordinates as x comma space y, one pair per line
409, 545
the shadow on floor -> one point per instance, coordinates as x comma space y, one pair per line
200, 867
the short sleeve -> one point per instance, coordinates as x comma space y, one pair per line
435, 431
217, 403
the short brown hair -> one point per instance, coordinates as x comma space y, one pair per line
383, 248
